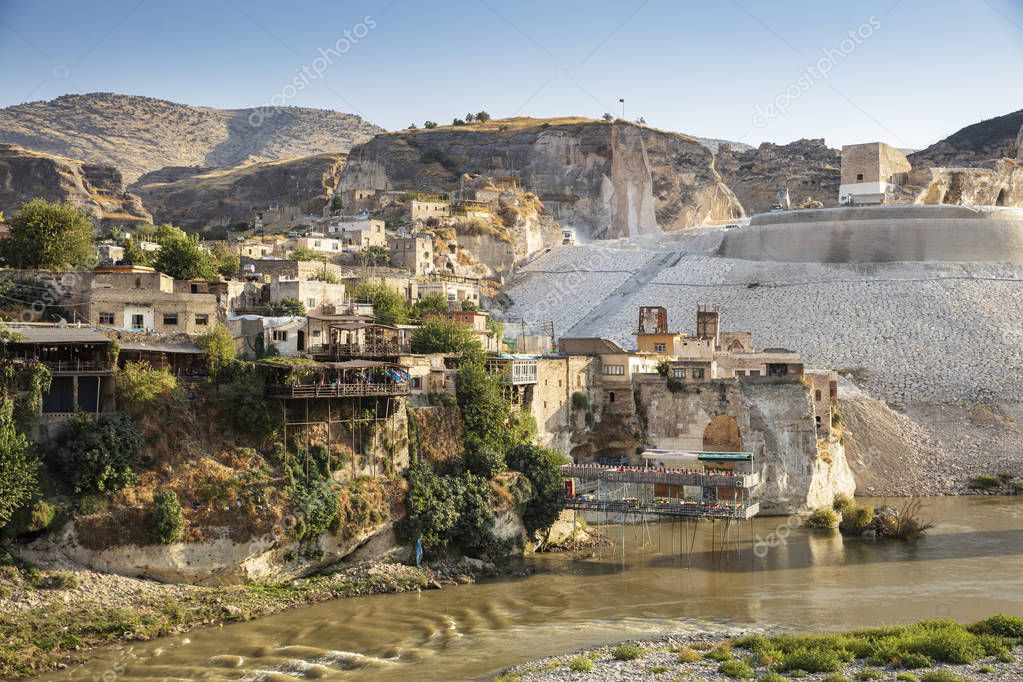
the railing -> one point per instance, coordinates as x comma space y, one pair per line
78, 366
337, 390
659, 476
691, 510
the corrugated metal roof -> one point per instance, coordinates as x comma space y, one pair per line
161, 347
58, 335
591, 345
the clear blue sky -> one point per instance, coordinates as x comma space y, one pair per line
919, 70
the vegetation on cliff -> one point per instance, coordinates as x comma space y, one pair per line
49, 236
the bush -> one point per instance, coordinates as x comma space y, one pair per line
772, 677
542, 467
688, 655
736, 669
241, 398
907, 677
985, 482
626, 652
441, 336
856, 520
139, 384
99, 456
166, 520
822, 518
870, 674
217, 348
835, 677
483, 460
1000, 625
581, 664
940, 676
720, 653
314, 500
911, 661
812, 660
580, 401
842, 503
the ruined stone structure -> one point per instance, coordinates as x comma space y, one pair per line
870, 172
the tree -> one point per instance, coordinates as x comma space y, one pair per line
434, 303
469, 306
373, 255
49, 236
442, 336
429, 125
166, 520
412, 126
470, 117
304, 253
607, 117
225, 259
181, 257
485, 411
542, 467
284, 307
431, 507
335, 203
165, 232
482, 117
458, 122
218, 349
389, 307
100, 456
18, 464
134, 254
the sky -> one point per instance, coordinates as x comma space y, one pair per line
906, 72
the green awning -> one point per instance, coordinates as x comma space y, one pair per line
725, 456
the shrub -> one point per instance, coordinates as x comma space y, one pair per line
314, 500
984, 482
842, 503
581, 664
720, 653
99, 456
822, 518
907, 677
541, 466
870, 674
836, 677
217, 349
940, 676
772, 677
736, 669
442, 336
688, 655
42, 516
62, 581
139, 384
1001, 625
626, 652
986, 669
812, 660
856, 520
241, 398
580, 401
912, 661
166, 521
483, 460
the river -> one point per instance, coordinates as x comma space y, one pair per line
969, 566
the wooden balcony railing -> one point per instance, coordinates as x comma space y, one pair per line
338, 390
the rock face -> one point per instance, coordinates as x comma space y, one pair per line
606, 180
99, 190
995, 138
808, 168
997, 183
141, 134
775, 423
195, 197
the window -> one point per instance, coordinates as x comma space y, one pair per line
660, 347
310, 303
106, 318
817, 395
316, 333
137, 322
417, 383
697, 372
679, 373
170, 318
614, 370
818, 419
280, 335
859, 177
754, 372
202, 319
611, 397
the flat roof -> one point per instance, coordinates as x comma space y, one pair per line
161, 347
58, 335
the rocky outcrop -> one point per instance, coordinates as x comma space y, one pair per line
99, 190
605, 179
142, 134
196, 197
976, 144
997, 183
808, 168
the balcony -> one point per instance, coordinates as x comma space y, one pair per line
337, 390
79, 366
355, 350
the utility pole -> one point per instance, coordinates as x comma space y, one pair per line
622, 101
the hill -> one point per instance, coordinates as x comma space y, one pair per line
98, 189
141, 134
197, 197
995, 138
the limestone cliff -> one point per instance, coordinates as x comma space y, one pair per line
99, 190
996, 183
196, 197
607, 180
808, 168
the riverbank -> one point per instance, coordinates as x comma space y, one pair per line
55, 614
928, 651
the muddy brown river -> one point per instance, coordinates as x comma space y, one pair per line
968, 567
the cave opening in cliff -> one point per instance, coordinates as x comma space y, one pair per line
722, 435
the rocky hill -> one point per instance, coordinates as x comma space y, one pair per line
197, 197
606, 179
995, 138
98, 189
140, 134
808, 168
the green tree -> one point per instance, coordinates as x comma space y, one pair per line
431, 508
225, 259
285, 306
434, 303
470, 117
165, 232
485, 411
335, 203
482, 117
441, 336
166, 520
373, 255
49, 236
18, 464
430, 125
99, 456
135, 254
469, 307
181, 257
542, 468
389, 307
217, 348
304, 253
